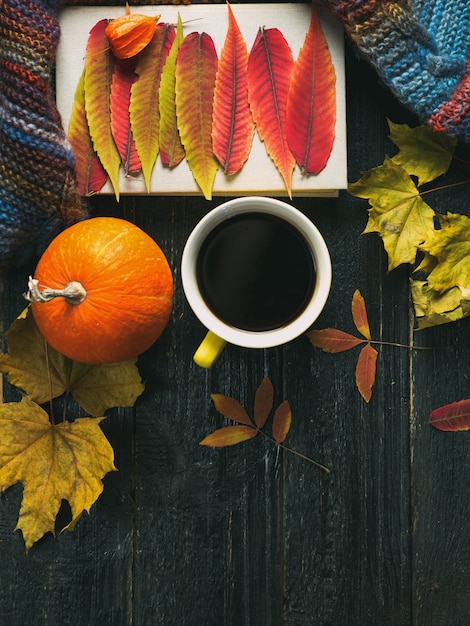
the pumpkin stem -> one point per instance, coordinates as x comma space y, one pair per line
73, 292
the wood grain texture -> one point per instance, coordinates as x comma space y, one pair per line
186, 535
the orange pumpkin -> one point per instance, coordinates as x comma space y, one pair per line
102, 292
130, 34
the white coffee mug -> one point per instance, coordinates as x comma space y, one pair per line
219, 332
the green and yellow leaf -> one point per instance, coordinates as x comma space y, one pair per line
449, 246
144, 105
397, 213
422, 152
42, 372
171, 148
98, 78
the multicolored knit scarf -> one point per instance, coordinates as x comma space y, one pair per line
37, 188
420, 48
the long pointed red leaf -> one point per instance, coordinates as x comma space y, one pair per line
311, 103
99, 66
124, 77
270, 66
232, 126
91, 175
196, 68
171, 148
452, 417
144, 106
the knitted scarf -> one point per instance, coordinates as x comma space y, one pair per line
421, 50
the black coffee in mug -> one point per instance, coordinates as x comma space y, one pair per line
256, 272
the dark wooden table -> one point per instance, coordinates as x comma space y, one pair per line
185, 535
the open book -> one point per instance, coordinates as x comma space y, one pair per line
259, 175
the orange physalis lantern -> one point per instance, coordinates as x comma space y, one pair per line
129, 34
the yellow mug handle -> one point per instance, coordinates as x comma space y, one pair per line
209, 350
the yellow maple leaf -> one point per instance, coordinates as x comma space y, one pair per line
53, 462
42, 372
433, 308
449, 246
422, 152
397, 213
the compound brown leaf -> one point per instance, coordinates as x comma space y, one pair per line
332, 340
54, 463
232, 123
196, 68
366, 370
270, 66
452, 417
311, 102
229, 436
41, 372
231, 409
263, 402
359, 314
282, 421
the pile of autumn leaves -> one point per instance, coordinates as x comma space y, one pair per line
433, 244
175, 99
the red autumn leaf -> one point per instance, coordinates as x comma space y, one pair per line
365, 371
263, 402
232, 123
196, 68
281, 422
229, 436
270, 66
452, 417
144, 104
99, 64
123, 78
332, 340
171, 148
359, 314
231, 409
91, 176
311, 102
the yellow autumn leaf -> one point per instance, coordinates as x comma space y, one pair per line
433, 308
422, 152
397, 213
449, 246
54, 463
42, 373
